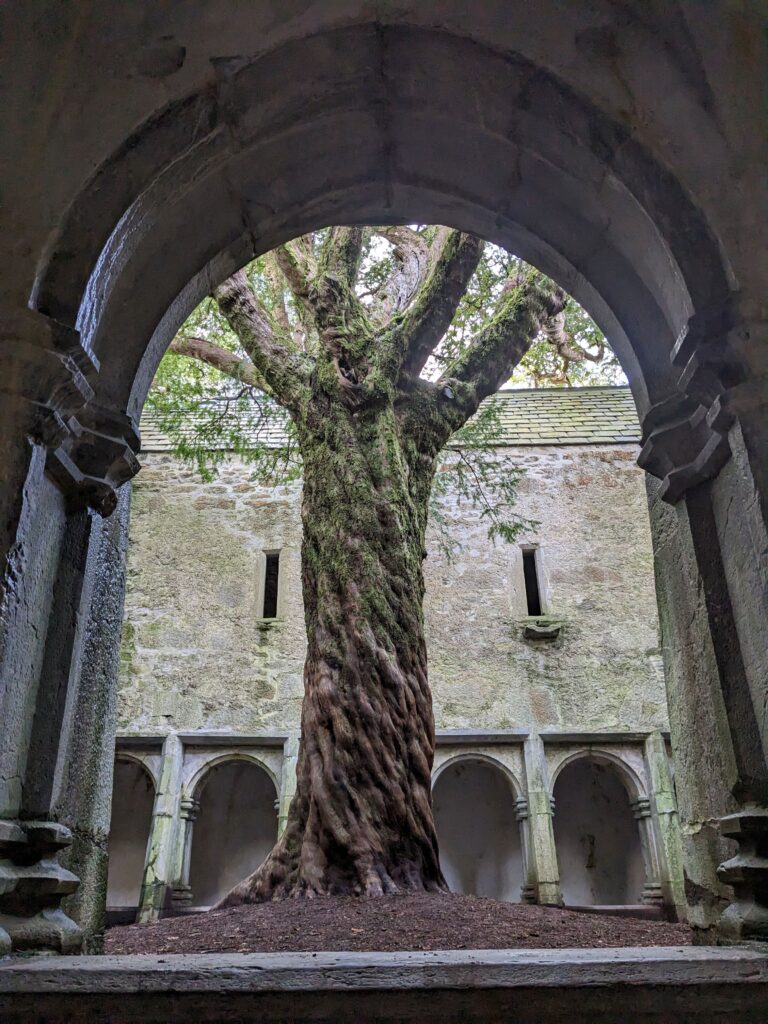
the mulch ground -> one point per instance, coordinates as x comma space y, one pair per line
444, 921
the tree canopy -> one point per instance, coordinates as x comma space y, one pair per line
210, 399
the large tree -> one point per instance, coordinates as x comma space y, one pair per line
376, 363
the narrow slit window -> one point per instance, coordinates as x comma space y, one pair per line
531, 574
271, 578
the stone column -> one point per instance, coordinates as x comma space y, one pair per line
166, 823
64, 456
707, 447
543, 873
287, 780
666, 825
182, 895
651, 893
528, 890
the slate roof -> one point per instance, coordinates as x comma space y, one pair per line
530, 417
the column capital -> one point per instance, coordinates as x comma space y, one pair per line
96, 457
189, 808
722, 353
48, 374
641, 808
680, 446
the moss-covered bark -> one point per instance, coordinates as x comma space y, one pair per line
361, 819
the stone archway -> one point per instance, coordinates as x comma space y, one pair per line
133, 797
486, 120
481, 846
235, 827
599, 851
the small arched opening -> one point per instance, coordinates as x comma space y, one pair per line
599, 850
480, 843
235, 828
133, 798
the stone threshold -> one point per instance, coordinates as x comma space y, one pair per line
706, 984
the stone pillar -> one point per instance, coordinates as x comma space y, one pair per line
162, 848
651, 893
182, 895
83, 792
707, 447
528, 890
287, 779
666, 825
543, 872
61, 456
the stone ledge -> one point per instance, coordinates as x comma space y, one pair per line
695, 983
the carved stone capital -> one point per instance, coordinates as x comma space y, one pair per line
96, 457
189, 808
680, 446
45, 368
641, 808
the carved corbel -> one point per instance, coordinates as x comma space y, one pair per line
96, 457
46, 372
680, 446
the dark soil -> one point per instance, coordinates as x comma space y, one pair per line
441, 921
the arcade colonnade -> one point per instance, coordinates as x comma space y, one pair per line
515, 774
616, 145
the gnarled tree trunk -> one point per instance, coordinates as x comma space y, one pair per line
361, 819
370, 429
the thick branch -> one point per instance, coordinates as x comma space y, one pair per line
434, 307
231, 364
286, 373
554, 332
412, 263
340, 256
523, 309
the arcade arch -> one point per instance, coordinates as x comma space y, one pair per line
235, 826
599, 851
133, 797
479, 830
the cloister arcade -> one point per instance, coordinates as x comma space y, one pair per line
231, 800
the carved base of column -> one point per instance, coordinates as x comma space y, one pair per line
46, 930
32, 885
181, 899
747, 873
528, 894
652, 894
549, 894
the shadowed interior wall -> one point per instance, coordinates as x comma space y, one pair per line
479, 836
597, 839
235, 829
133, 796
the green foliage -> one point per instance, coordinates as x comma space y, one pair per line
475, 473
209, 415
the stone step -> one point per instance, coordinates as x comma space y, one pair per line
601, 986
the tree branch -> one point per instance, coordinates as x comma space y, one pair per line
286, 373
239, 368
524, 307
411, 253
340, 255
569, 350
430, 316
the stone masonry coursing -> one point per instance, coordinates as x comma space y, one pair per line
199, 660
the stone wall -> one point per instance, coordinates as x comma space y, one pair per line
197, 655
